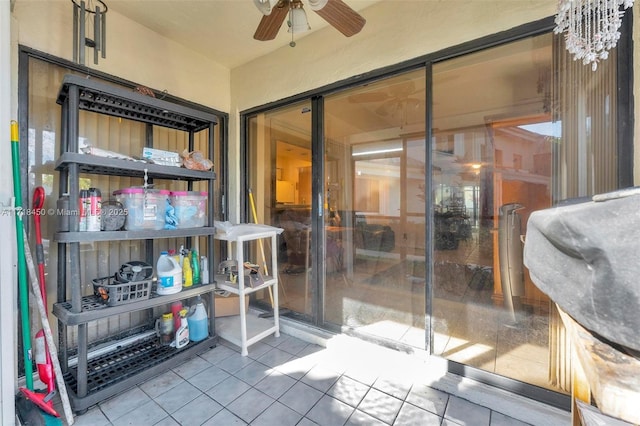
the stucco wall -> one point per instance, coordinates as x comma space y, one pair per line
133, 52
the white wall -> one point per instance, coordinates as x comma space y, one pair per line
7, 223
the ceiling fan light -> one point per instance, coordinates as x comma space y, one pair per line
265, 6
316, 5
298, 22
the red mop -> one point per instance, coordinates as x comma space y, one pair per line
43, 359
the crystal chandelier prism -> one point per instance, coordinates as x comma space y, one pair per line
592, 27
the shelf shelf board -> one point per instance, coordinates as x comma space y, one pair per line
233, 287
118, 167
93, 309
257, 328
147, 234
118, 371
108, 99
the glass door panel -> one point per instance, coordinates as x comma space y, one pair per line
374, 212
508, 139
280, 155
492, 168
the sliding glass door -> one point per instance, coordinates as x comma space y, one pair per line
374, 223
280, 188
410, 233
510, 139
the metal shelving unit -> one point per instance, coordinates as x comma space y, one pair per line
90, 381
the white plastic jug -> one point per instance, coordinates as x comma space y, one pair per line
169, 275
198, 322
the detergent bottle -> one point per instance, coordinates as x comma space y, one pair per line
195, 266
187, 272
198, 321
182, 335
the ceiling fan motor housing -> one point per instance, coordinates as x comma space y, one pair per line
266, 6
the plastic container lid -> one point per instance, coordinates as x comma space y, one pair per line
134, 190
163, 252
182, 193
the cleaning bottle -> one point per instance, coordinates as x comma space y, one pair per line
187, 272
198, 321
195, 266
169, 275
182, 335
181, 254
204, 270
176, 307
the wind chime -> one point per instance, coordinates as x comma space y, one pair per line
89, 29
592, 27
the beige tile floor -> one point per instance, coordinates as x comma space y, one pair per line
296, 381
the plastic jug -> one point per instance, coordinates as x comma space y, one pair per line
198, 321
169, 275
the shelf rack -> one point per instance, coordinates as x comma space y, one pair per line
90, 381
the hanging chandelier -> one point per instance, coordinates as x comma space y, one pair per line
592, 27
89, 29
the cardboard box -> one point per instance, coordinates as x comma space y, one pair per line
230, 305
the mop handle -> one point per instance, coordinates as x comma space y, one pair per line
255, 220
22, 268
260, 244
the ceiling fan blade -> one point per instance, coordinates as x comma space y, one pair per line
342, 17
270, 24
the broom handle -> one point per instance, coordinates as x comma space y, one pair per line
264, 260
23, 287
35, 289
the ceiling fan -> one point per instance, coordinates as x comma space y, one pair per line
335, 12
397, 98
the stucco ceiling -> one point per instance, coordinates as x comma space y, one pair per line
221, 30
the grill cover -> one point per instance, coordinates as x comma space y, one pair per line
586, 258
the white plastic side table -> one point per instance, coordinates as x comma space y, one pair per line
241, 329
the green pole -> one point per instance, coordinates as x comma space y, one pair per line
22, 264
